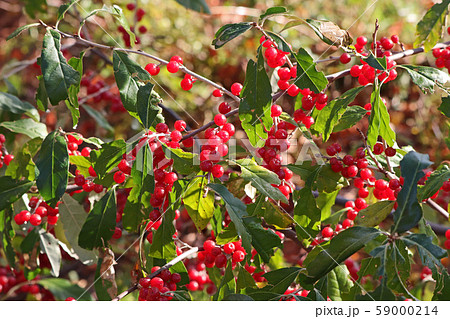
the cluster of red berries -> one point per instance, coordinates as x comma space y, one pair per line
442, 58
365, 73
425, 273
39, 210
5, 158
276, 143
158, 288
139, 14
92, 87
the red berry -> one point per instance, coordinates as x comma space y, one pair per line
131, 6
217, 171
152, 68
229, 248
224, 108
345, 58
395, 38
238, 256
173, 67
35, 220
378, 148
124, 166
92, 172
390, 151
170, 178
308, 121
347, 223
145, 282
157, 283
186, 84
447, 244
208, 245
175, 277
41, 211
180, 125
394, 184
361, 41
220, 119
352, 171
217, 93
276, 110
79, 180
221, 261
176, 136
117, 233
119, 177
177, 59
327, 232
355, 71
161, 128
236, 88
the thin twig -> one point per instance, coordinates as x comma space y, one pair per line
140, 52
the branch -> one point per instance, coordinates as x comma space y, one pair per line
156, 273
437, 208
140, 52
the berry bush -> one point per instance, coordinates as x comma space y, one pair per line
302, 178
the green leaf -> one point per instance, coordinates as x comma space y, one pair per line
199, 204
264, 240
280, 42
271, 12
254, 108
11, 103
382, 293
379, 121
6, 235
72, 101
327, 31
228, 32
433, 183
376, 63
271, 213
128, 75
227, 285
64, 8
445, 106
431, 28
307, 74
72, 216
426, 77
306, 215
50, 246
108, 156
261, 178
19, 30
325, 180
52, 168
280, 279
237, 211
374, 214
227, 235
23, 165
351, 116
41, 95
244, 279
11, 190
338, 282
329, 116
98, 117
146, 109
143, 186
62, 289
30, 240
397, 267
368, 266
163, 245
409, 211
429, 253
183, 162
59, 76
340, 248
196, 5
29, 127
325, 201
100, 224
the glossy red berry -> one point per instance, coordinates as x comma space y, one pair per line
180, 125
35, 220
238, 256
327, 232
119, 177
236, 88
220, 119
209, 245
224, 108
170, 178
361, 41
345, 58
390, 151
217, 171
276, 110
217, 93
152, 68
378, 148
173, 67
